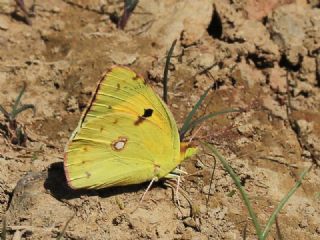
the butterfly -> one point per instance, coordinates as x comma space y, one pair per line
127, 135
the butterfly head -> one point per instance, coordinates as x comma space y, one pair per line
187, 150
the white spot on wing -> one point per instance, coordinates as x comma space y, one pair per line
119, 144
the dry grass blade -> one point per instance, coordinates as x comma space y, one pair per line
4, 228
65, 227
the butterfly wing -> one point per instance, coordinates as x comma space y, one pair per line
126, 136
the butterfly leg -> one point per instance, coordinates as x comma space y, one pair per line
177, 190
176, 175
155, 179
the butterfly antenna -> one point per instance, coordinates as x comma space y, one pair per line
194, 135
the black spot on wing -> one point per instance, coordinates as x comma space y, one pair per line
147, 113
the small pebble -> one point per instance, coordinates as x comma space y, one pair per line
206, 189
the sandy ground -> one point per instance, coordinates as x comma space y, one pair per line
261, 57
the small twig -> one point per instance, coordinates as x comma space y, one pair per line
244, 234
65, 227
4, 228
211, 180
278, 161
31, 228
278, 230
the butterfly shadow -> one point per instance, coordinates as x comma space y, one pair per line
56, 183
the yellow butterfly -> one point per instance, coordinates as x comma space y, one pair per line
127, 135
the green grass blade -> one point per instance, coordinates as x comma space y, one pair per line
243, 193
283, 202
184, 129
129, 6
166, 71
211, 115
18, 99
21, 109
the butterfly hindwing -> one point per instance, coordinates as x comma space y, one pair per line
127, 135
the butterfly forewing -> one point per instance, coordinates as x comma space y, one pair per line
126, 136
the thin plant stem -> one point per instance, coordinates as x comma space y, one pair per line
65, 227
211, 180
4, 228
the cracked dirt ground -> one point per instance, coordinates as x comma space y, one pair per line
261, 57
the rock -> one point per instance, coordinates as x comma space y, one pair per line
58, 26
318, 68
308, 68
123, 58
248, 75
180, 228
199, 164
246, 129
303, 88
313, 145
6, 6
93, 5
273, 106
258, 9
252, 35
190, 17
206, 189
72, 104
293, 28
277, 79
303, 223
190, 222
4, 23
304, 127
56, 10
